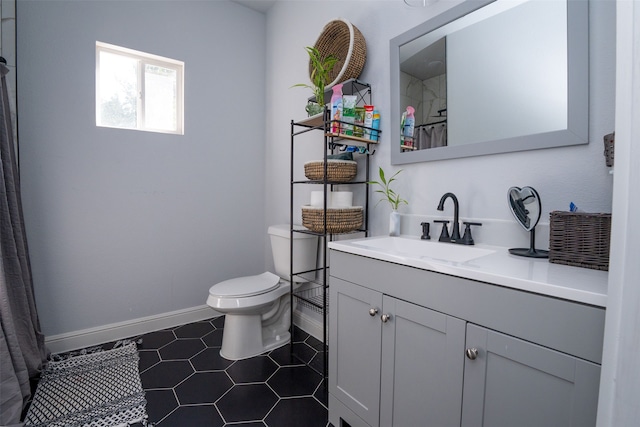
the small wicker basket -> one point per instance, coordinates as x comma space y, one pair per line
337, 170
342, 39
580, 239
339, 220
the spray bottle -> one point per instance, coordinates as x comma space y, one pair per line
336, 108
409, 126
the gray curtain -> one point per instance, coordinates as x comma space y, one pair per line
431, 136
22, 350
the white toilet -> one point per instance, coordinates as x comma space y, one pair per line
257, 308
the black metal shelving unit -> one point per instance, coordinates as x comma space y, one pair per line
316, 297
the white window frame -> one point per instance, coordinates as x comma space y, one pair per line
143, 59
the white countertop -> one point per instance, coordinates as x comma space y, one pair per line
501, 268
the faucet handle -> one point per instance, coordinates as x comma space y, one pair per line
467, 239
444, 235
425, 231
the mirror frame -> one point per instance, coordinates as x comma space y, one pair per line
577, 131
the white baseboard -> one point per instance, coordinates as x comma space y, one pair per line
115, 331
131, 328
310, 325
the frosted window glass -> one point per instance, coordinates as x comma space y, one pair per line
137, 90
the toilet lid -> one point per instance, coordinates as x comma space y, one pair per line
246, 286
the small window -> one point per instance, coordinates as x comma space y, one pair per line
137, 90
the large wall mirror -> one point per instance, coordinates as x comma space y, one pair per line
490, 77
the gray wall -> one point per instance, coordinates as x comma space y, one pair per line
127, 224
560, 175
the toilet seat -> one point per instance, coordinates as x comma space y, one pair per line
246, 286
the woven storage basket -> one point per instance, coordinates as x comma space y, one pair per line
339, 220
580, 239
337, 170
342, 39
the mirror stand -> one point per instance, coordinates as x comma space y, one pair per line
526, 208
531, 251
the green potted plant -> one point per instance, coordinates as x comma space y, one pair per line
320, 69
392, 197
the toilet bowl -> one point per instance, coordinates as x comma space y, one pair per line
257, 308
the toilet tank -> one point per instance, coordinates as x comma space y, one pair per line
305, 249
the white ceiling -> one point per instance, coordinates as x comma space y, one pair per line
259, 5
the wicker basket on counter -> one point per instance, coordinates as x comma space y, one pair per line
337, 170
339, 220
580, 239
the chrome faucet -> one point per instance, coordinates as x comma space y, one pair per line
455, 231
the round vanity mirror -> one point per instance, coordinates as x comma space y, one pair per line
526, 208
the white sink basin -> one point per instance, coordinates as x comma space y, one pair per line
413, 248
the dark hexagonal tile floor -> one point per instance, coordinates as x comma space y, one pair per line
255, 369
201, 415
148, 358
213, 339
158, 339
181, 349
247, 402
292, 381
203, 387
188, 383
210, 360
166, 374
160, 403
301, 411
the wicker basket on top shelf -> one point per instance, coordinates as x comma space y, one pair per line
342, 39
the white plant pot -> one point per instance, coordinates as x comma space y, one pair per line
394, 223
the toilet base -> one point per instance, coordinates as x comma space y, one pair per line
248, 335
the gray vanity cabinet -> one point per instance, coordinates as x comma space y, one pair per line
396, 363
514, 382
422, 352
409, 347
354, 373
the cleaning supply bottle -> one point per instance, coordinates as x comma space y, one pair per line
375, 124
409, 127
368, 120
336, 108
403, 119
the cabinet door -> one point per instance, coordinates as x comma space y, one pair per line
354, 348
516, 383
422, 361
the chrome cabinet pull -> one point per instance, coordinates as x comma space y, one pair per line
385, 318
471, 353
373, 311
